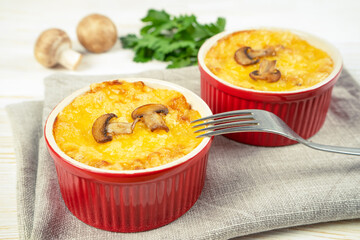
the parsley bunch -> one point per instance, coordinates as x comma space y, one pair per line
170, 39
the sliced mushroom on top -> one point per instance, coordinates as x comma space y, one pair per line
267, 71
103, 130
247, 56
151, 116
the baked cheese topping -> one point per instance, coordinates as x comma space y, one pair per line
301, 65
139, 150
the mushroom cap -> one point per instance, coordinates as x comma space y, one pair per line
241, 56
150, 116
266, 72
149, 109
247, 56
270, 77
97, 33
48, 44
99, 128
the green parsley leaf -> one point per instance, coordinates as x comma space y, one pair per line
173, 39
130, 41
156, 17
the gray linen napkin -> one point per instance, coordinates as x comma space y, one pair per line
248, 189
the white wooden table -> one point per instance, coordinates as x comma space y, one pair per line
21, 76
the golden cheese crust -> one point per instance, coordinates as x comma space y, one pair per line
301, 65
139, 150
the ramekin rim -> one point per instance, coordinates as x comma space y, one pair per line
338, 62
50, 140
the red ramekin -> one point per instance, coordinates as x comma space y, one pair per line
133, 200
303, 110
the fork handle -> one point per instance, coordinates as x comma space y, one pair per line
328, 148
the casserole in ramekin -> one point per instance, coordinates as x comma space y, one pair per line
303, 110
130, 200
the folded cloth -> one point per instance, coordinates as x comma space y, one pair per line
248, 189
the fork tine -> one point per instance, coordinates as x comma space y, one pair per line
227, 125
222, 120
230, 130
225, 114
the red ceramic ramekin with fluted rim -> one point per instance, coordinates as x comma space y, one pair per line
303, 110
132, 200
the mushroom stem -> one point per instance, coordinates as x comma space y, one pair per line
116, 128
267, 71
154, 122
262, 52
267, 67
69, 58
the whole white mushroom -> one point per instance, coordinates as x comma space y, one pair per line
97, 33
53, 47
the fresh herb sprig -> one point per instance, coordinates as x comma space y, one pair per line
170, 39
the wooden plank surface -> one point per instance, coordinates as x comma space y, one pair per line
21, 76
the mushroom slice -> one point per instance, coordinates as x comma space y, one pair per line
103, 130
266, 72
241, 57
151, 116
247, 56
121, 127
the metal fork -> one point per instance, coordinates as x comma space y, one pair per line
254, 120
